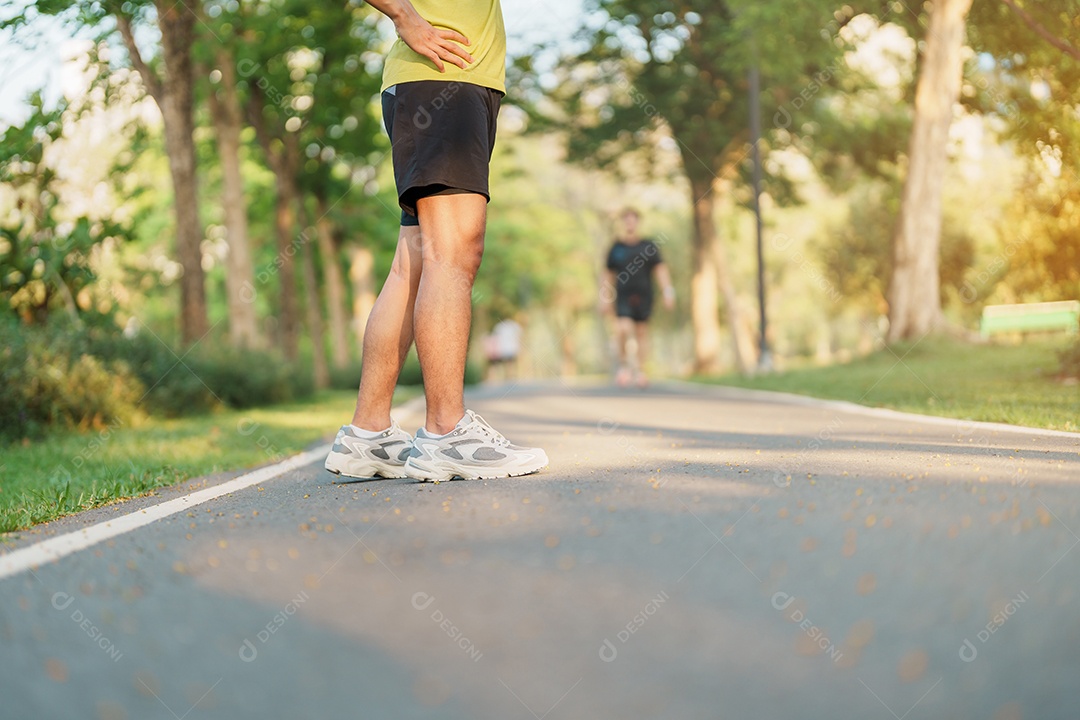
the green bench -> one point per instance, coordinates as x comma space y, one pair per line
1031, 317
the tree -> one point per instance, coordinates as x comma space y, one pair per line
1034, 83
1033, 86
280, 152
655, 68
173, 91
309, 100
44, 255
914, 290
228, 119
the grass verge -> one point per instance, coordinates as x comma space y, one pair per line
70, 472
1013, 384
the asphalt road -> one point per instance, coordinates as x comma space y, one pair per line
691, 553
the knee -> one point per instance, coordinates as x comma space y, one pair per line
472, 254
461, 257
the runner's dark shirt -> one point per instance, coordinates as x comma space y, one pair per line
633, 266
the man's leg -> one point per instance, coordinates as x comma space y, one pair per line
623, 330
389, 334
452, 247
622, 337
641, 334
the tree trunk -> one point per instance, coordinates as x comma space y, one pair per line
914, 293
312, 302
177, 24
284, 226
240, 274
704, 298
362, 275
742, 340
334, 280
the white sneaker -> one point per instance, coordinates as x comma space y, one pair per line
473, 450
378, 454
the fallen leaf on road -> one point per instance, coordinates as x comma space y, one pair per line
912, 666
861, 634
56, 670
1009, 711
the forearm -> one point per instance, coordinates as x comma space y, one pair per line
607, 292
663, 276
396, 10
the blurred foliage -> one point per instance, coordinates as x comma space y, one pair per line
649, 65
62, 375
1070, 362
44, 254
46, 381
1033, 85
646, 90
202, 379
857, 255
1042, 245
348, 378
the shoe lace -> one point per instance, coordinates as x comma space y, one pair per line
494, 435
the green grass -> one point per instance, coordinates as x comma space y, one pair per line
999, 383
70, 471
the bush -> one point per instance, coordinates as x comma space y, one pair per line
13, 357
245, 378
410, 372
90, 375
83, 392
206, 377
474, 374
47, 379
346, 378
172, 389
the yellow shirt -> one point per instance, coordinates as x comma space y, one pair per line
481, 21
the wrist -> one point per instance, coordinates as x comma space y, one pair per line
401, 13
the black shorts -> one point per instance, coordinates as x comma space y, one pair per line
442, 134
637, 307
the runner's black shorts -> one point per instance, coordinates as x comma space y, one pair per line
442, 134
636, 306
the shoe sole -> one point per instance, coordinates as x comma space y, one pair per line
370, 471
444, 474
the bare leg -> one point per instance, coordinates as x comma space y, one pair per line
389, 334
453, 245
641, 331
623, 330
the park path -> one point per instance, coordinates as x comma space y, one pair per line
692, 552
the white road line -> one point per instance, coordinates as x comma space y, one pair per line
53, 549
963, 427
